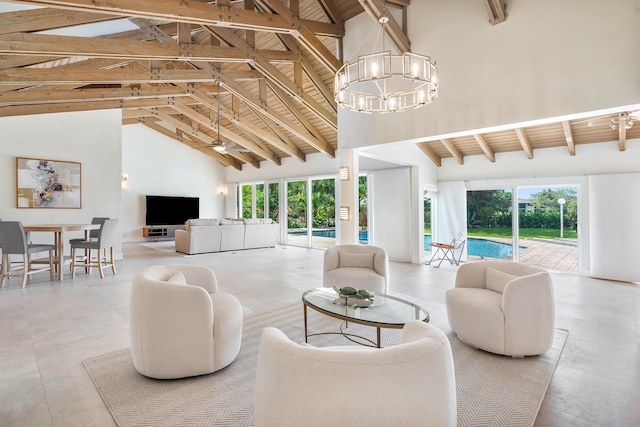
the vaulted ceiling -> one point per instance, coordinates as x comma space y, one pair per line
164, 62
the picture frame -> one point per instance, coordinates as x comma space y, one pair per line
48, 184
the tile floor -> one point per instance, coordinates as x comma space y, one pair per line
49, 328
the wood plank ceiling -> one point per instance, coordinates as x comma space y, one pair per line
273, 64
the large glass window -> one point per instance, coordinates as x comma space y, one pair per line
427, 224
323, 212
489, 224
548, 227
259, 200
547, 224
297, 213
247, 201
273, 194
363, 214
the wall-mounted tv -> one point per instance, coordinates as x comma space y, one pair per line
166, 210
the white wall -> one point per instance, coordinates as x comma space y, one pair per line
92, 138
549, 58
392, 211
614, 205
160, 166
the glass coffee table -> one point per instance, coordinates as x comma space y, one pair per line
386, 312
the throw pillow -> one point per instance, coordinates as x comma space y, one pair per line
178, 278
350, 259
266, 221
497, 280
251, 221
228, 222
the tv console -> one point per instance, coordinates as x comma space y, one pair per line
156, 232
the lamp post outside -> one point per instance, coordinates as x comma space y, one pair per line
561, 202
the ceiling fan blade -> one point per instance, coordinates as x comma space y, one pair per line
231, 146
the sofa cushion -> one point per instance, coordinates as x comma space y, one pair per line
202, 221
351, 259
226, 221
497, 280
251, 221
178, 278
266, 221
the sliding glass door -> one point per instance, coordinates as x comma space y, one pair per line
538, 227
297, 213
323, 212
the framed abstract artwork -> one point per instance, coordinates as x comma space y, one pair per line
52, 184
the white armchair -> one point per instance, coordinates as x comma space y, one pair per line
360, 266
180, 325
409, 384
503, 307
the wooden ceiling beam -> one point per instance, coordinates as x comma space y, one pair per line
375, 9
209, 123
26, 21
496, 9
289, 145
305, 35
292, 44
176, 10
192, 132
66, 107
486, 148
451, 148
293, 108
524, 142
435, 158
277, 77
568, 136
96, 47
298, 131
189, 12
30, 76
332, 12
240, 122
180, 137
84, 95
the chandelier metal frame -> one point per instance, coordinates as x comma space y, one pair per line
386, 82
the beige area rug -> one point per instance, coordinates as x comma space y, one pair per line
491, 390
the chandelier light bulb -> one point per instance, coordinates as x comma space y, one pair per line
415, 69
374, 70
361, 104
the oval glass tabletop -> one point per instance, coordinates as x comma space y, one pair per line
386, 311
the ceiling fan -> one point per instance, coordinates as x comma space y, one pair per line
223, 146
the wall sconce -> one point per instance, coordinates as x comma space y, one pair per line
345, 213
344, 173
222, 191
125, 177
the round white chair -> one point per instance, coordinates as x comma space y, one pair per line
180, 325
503, 307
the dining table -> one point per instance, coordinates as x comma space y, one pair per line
58, 231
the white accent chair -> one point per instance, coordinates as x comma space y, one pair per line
180, 325
503, 307
409, 384
359, 266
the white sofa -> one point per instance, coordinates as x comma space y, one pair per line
503, 307
359, 266
410, 384
180, 326
218, 235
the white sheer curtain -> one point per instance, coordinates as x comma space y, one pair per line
452, 212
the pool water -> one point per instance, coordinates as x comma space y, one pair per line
476, 247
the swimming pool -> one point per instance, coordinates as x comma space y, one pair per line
476, 247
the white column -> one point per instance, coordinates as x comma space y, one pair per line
348, 196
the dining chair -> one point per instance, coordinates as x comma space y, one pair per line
93, 235
105, 240
14, 242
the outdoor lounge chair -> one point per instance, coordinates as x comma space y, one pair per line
448, 251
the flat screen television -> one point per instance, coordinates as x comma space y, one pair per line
167, 210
